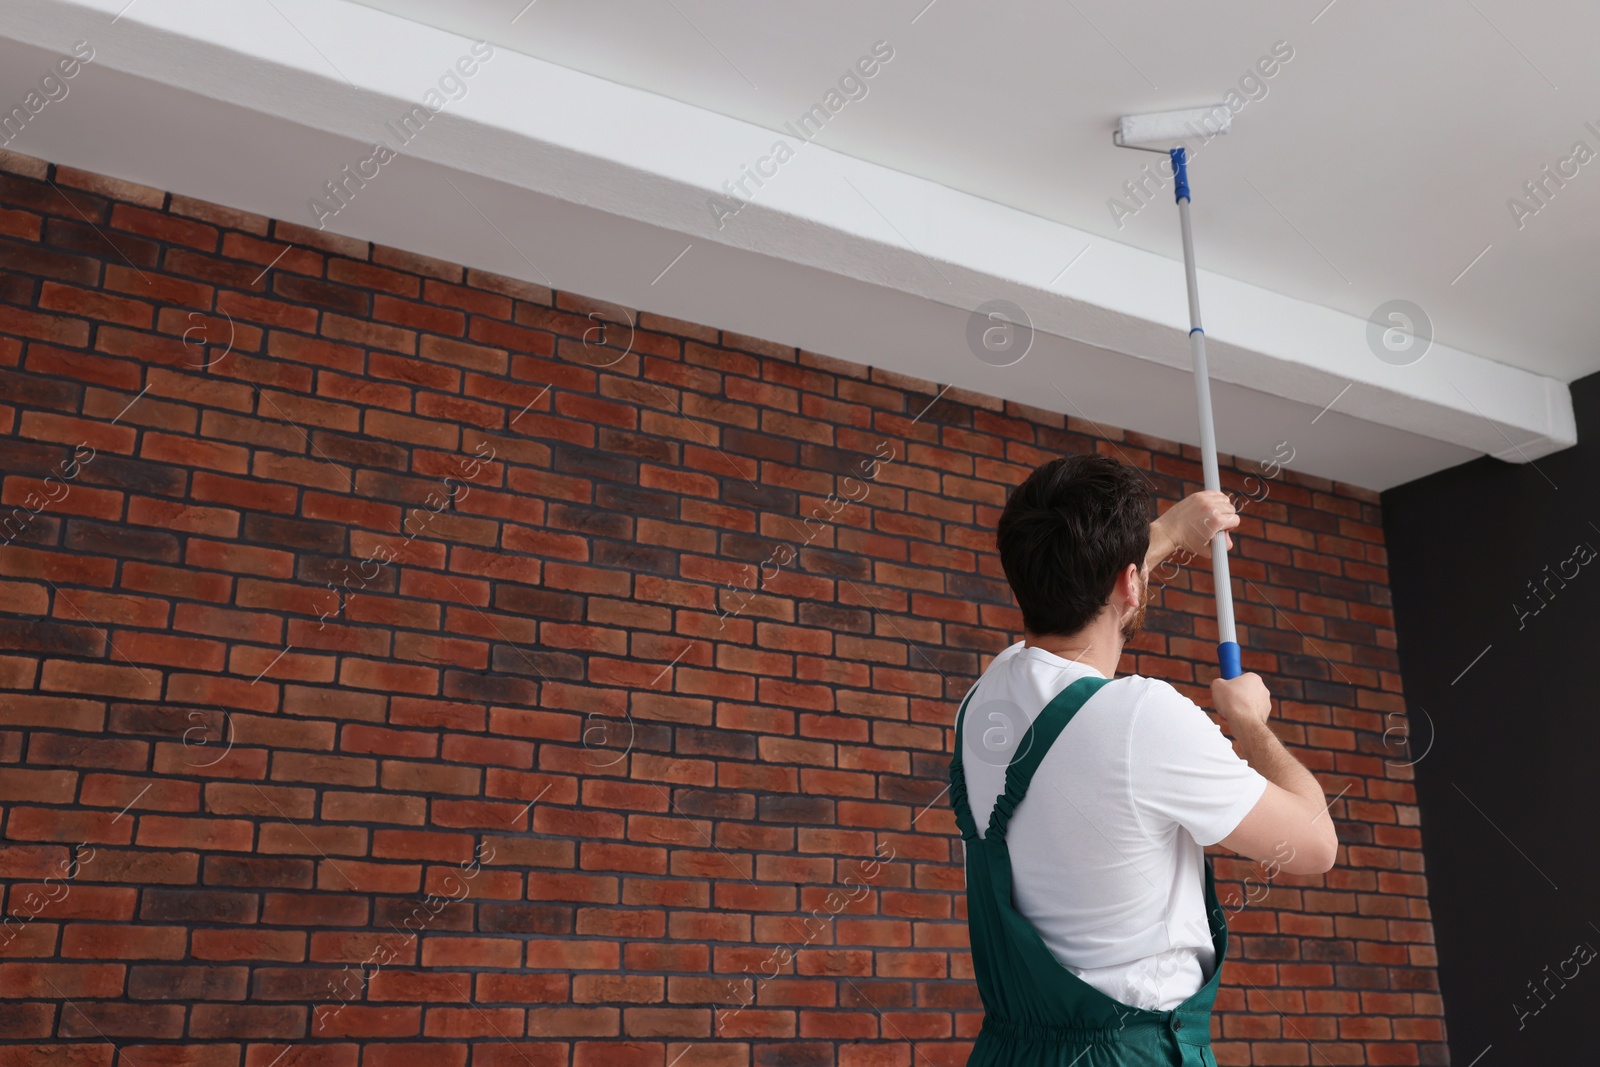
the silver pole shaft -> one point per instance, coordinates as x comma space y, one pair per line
1226, 630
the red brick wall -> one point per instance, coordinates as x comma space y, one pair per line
386, 680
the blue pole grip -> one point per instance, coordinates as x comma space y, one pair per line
1180, 174
1228, 659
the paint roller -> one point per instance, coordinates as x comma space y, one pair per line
1171, 128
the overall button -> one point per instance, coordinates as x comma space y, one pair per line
1177, 1022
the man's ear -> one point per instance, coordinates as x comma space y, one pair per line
1128, 586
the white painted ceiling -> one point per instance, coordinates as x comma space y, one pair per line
977, 166
1377, 165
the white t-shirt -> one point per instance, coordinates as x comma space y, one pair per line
1106, 846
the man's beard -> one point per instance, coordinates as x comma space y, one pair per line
1135, 623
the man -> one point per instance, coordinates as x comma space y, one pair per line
1091, 908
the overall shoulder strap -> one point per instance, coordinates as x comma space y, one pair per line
1042, 733
958, 779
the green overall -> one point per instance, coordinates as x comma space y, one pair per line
1037, 1013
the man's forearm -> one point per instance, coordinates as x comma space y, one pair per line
1261, 749
1162, 545
1189, 525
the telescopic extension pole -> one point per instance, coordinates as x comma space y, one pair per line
1227, 635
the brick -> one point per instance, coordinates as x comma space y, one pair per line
457, 409
190, 518
430, 778
88, 752
94, 1053
26, 598
441, 650
33, 861
337, 770
192, 452
243, 493
165, 288
73, 178
389, 677
316, 473
419, 316
162, 831
472, 357
224, 623
71, 676
473, 297
374, 807
36, 635
60, 498
250, 245
41, 392
26, 225
172, 581
186, 982
413, 711
323, 841
136, 793
123, 942
284, 1023
301, 349
120, 608
395, 427
49, 980
343, 298
37, 260
89, 304
86, 367
350, 511
369, 276
59, 824
368, 334
57, 329
281, 665
256, 309
222, 692
18, 672
193, 388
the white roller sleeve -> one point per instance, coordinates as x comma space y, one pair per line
1169, 127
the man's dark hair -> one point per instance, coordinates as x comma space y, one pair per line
1066, 533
